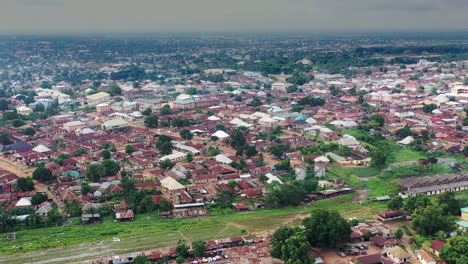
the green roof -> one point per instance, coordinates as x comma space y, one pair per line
463, 224
73, 174
184, 101
334, 156
464, 209
301, 117
115, 182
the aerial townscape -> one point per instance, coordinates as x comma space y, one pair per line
249, 148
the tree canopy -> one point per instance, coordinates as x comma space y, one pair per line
455, 250
326, 229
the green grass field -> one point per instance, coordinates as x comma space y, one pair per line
405, 154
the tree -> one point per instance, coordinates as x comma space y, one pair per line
415, 202
164, 205
182, 249
284, 194
85, 188
225, 198
295, 250
232, 183
199, 248
180, 260
147, 111
237, 139
189, 157
38, 198
398, 233
292, 89
449, 204
396, 203
166, 110
129, 149
278, 150
250, 150
428, 108
95, 172
431, 220
17, 123
111, 167
278, 240
185, 134
114, 89
42, 174
455, 250
425, 135
379, 119
221, 127
166, 164
141, 260
378, 159
5, 139
164, 145
105, 154
29, 131
73, 207
151, 121
24, 185
404, 132
326, 229
465, 151
256, 102
4, 105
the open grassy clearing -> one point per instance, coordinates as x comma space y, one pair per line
380, 187
404, 154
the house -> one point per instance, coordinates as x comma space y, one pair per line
240, 207
171, 184
90, 218
24, 110
390, 215
399, 255
463, 223
424, 257
377, 258
98, 98
436, 246
378, 241
114, 123
433, 185
73, 125
126, 215
44, 209
189, 210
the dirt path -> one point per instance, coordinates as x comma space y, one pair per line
7, 165
407, 163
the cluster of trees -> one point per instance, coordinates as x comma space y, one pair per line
300, 79
373, 122
429, 218
311, 101
325, 229
289, 194
108, 167
8, 221
42, 174
164, 145
324, 148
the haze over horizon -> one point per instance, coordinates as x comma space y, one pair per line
99, 16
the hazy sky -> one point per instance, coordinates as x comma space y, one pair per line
60, 16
